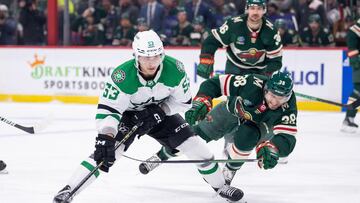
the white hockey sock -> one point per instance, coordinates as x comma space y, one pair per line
85, 168
195, 148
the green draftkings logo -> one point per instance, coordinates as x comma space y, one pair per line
151, 44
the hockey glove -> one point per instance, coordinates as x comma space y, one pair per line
104, 151
206, 66
150, 116
200, 107
268, 155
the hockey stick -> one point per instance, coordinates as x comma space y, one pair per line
200, 161
324, 100
30, 130
82, 182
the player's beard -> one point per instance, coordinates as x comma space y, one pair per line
254, 21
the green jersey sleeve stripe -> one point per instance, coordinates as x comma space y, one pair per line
102, 116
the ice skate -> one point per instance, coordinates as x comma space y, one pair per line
62, 195
349, 126
231, 194
228, 174
3, 168
146, 167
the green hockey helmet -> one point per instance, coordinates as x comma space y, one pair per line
280, 23
314, 18
255, 3
280, 84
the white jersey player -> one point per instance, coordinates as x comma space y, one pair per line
150, 89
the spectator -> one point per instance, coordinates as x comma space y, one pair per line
124, 32
200, 32
182, 31
127, 6
196, 8
315, 34
170, 19
33, 21
221, 10
7, 27
153, 12
305, 8
288, 36
273, 12
109, 22
142, 25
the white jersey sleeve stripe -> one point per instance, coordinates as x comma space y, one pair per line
225, 84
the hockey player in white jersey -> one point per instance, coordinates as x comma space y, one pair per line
150, 89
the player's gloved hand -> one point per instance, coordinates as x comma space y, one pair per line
206, 66
200, 107
104, 151
150, 116
268, 155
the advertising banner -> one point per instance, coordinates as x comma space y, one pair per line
82, 71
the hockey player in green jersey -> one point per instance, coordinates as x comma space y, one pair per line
149, 91
252, 44
353, 44
259, 113
316, 35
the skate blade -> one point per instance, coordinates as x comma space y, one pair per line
3, 172
348, 129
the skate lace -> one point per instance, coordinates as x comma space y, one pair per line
227, 191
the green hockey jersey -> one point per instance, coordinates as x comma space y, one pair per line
127, 90
246, 101
353, 44
323, 37
247, 49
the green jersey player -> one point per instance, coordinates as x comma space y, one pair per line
150, 89
353, 44
252, 44
259, 113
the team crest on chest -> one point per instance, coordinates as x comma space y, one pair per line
118, 76
180, 66
252, 56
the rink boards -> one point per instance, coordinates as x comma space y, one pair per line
77, 75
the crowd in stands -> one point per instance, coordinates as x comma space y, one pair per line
179, 22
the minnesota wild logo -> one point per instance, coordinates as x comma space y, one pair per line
118, 76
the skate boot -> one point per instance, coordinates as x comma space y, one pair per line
62, 195
228, 174
146, 167
349, 126
231, 194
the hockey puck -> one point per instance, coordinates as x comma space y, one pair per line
2, 165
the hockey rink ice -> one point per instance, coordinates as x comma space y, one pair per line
324, 167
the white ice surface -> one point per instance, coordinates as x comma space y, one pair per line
324, 167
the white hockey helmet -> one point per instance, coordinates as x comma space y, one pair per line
147, 43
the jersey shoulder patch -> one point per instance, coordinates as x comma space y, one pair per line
125, 77
173, 71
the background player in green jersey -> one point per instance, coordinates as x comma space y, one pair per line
252, 44
151, 89
315, 34
353, 44
259, 112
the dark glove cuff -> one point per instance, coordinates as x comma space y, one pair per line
106, 137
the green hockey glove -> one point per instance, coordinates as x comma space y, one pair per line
268, 155
206, 66
200, 107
